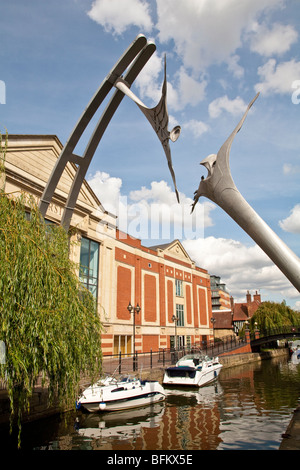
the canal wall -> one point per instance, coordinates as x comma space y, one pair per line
231, 360
291, 437
39, 407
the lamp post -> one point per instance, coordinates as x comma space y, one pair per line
213, 321
134, 310
175, 320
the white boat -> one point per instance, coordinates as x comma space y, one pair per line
110, 394
296, 356
294, 345
193, 370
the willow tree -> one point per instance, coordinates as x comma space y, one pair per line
271, 315
48, 321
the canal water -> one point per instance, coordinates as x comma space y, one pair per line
248, 408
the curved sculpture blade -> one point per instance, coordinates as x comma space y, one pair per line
218, 165
223, 153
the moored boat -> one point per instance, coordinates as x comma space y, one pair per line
193, 370
295, 358
110, 394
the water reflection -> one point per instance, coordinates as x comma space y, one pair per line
249, 407
124, 425
257, 405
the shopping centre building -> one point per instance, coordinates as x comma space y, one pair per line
173, 293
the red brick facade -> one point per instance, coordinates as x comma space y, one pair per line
146, 276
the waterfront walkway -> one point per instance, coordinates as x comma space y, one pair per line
291, 437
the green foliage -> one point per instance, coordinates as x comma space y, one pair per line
271, 315
48, 322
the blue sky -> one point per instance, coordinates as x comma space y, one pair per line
54, 56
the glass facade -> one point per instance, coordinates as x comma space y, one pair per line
89, 265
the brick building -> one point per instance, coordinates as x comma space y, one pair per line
222, 312
245, 310
173, 293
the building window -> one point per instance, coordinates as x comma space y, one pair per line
180, 315
89, 265
179, 288
122, 344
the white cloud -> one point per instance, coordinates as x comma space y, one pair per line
189, 91
297, 305
274, 40
183, 90
292, 222
207, 32
151, 213
148, 80
240, 267
289, 169
234, 67
116, 19
236, 106
277, 78
197, 128
107, 188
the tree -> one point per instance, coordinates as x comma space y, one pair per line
271, 315
48, 321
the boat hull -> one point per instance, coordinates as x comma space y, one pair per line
193, 371
120, 405
121, 396
199, 380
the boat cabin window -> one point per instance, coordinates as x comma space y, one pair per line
181, 373
118, 389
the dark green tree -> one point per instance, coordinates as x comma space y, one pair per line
272, 315
48, 321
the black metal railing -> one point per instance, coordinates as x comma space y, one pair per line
124, 363
267, 335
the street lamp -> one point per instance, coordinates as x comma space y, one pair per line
213, 321
134, 310
175, 320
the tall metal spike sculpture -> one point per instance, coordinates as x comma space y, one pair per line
219, 187
135, 57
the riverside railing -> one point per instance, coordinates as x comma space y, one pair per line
124, 363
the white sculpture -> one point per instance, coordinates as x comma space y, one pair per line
158, 118
219, 187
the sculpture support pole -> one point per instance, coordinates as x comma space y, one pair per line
140, 52
245, 216
135, 57
219, 187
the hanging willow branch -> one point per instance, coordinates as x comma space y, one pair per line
48, 322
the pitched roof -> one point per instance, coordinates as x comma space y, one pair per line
223, 319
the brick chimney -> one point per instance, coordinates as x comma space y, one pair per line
257, 297
248, 297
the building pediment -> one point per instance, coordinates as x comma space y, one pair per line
174, 250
